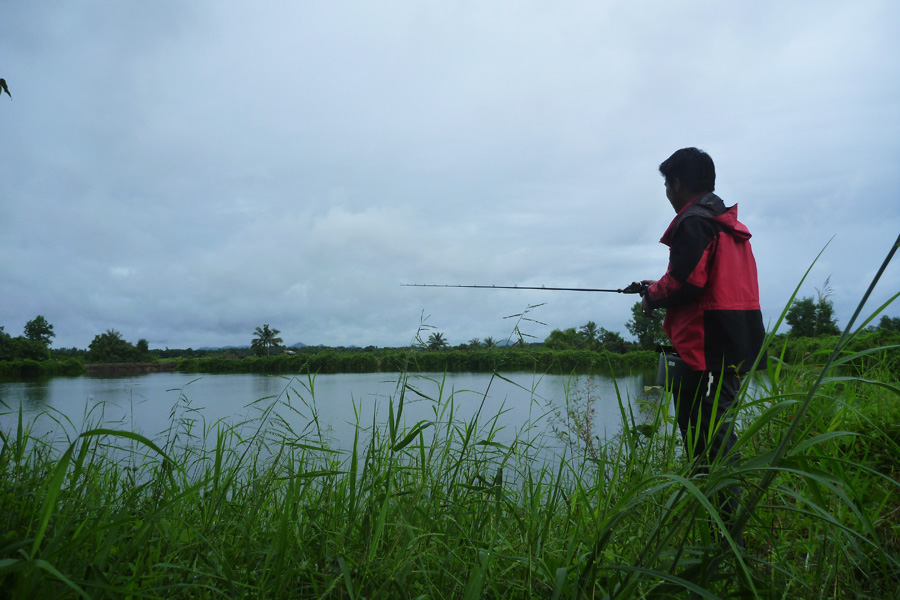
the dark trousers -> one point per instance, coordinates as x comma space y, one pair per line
702, 411
703, 400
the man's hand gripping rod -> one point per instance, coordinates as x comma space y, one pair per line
634, 288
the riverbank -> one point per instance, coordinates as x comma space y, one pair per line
121, 369
420, 360
332, 361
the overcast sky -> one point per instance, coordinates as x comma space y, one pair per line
187, 171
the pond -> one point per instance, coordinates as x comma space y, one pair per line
329, 408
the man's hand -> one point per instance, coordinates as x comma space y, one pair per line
635, 287
645, 303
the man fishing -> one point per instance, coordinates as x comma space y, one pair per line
711, 296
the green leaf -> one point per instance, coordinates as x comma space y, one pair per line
416, 430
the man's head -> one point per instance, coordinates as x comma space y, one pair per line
689, 172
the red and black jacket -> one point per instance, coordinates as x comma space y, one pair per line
710, 290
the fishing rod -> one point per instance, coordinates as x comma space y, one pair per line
634, 288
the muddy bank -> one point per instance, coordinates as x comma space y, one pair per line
128, 368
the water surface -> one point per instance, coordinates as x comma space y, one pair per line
330, 405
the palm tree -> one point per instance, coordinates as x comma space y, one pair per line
489, 342
474, 342
436, 341
591, 334
265, 338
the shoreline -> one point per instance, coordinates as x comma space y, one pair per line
128, 368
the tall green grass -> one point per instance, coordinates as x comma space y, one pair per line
444, 508
460, 508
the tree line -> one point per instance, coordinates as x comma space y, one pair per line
33, 345
807, 317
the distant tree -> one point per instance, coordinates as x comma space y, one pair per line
590, 334
111, 347
18, 348
436, 341
6, 346
646, 330
143, 350
474, 342
39, 330
812, 318
801, 316
889, 323
265, 339
612, 341
564, 339
489, 342
587, 337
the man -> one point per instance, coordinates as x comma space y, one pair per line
711, 296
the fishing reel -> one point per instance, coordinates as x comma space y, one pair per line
636, 287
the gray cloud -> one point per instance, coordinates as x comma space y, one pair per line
185, 173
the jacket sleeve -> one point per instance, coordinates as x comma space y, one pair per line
690, 255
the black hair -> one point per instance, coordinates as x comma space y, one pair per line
693, 167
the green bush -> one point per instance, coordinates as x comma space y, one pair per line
30, 369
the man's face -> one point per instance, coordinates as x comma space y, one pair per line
672, 193
677, 194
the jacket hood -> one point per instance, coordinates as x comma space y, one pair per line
709, 206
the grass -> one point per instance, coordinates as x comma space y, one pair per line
442, 509
449, 508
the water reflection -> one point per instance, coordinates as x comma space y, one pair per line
35, 394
